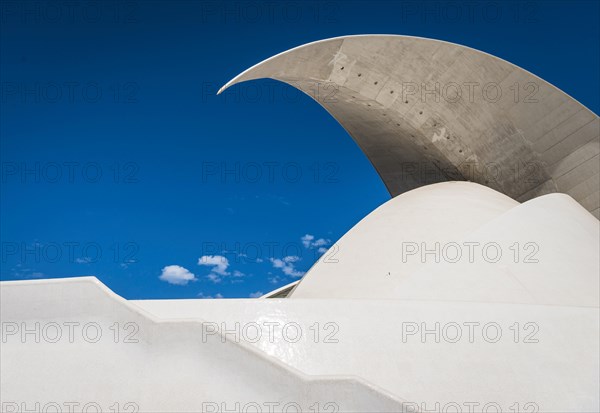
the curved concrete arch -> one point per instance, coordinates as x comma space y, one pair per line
426, 111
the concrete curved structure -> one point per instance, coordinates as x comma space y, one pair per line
450, 297
460, 241
426, 111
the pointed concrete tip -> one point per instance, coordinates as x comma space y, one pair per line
230, 83
226, 85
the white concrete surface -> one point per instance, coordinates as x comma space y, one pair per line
427, 336
426, 111
549, 250
151, 365
552, 367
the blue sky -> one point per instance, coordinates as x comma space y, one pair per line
119, 160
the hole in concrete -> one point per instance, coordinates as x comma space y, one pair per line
342, 68
460, 151
397, 124
421, 112
391, 91
360, 74
375, 83
406, 101
447, 137
384, 114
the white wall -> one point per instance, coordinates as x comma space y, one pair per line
172, 367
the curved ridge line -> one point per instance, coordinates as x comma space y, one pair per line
352, 36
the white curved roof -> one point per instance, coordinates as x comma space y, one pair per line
508, 129
549, 246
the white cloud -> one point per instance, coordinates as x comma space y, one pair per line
125, 264
216, 296
321, 242
218, 262
307, 239
215, 278
286, 265
219, 266
256, 294
22, 272
310, 242
248, 258
174, 274
274, 279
